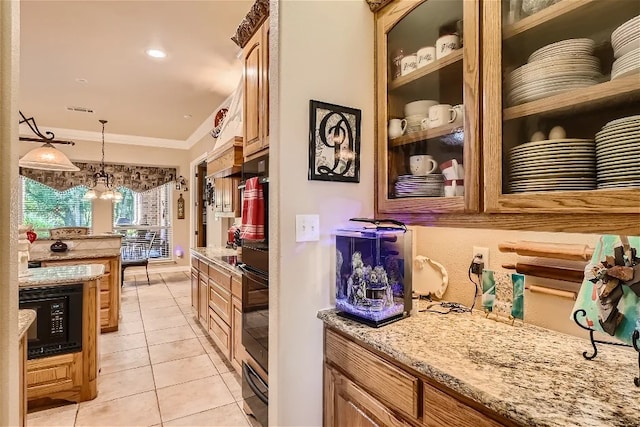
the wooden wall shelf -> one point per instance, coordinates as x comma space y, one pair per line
424, 135
608, 94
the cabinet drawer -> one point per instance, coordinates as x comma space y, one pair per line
220, 277
220, 332
51, 374
441, 410
376, 375
220, 301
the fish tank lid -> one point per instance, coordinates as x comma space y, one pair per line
373, 227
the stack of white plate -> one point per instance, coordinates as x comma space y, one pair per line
431, 185
626, 37
627, 64
553, 69
552, 165
618, 153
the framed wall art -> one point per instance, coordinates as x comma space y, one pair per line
334, 142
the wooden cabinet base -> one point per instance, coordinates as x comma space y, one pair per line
71, 376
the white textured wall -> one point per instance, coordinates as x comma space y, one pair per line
324, 51
9, 60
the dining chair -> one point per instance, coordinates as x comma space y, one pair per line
135, 253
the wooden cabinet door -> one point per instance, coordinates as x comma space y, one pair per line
441, 410
264, 84
237, 349
227, 198
203, 300
252, 113
346, 404
22, 354
194, 288
218, 185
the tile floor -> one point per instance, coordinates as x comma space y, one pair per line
158, 369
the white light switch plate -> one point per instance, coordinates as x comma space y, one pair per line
307, 228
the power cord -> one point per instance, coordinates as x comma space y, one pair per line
476, 268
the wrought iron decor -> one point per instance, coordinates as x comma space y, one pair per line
334, 142
48, 136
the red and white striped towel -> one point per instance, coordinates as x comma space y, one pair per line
253, 210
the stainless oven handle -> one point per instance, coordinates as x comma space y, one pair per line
251, 275
249, 372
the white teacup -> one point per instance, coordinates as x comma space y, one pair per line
426, 55
440, 115
459, 109
424, 123
397, 127
422, 164
447, 44
408, 64
451, 169
454, 188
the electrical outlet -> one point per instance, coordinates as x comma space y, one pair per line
477, 250
307, 228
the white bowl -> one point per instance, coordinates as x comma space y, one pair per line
421, 107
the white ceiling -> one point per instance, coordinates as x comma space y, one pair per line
104, 42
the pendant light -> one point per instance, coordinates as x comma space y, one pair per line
103, 181
46, 157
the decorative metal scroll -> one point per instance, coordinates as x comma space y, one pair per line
48, 136
250, 24
136, 178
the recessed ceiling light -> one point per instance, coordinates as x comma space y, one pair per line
187, 116
156, 53
81, 80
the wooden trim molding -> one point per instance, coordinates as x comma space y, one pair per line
376, 5
250, 24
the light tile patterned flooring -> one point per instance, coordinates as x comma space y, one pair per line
158, 369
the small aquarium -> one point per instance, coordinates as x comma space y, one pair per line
373, 271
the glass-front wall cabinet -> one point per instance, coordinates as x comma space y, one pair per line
427, 82
561, 116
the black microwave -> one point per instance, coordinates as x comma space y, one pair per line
58, 325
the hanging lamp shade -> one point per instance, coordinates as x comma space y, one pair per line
47, 157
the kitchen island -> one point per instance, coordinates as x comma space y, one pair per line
463, 369
101, 249
67, 375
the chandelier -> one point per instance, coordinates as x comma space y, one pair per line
103, 182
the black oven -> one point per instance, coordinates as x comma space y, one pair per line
255, 327
58, 325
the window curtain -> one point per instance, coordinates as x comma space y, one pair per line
136, 178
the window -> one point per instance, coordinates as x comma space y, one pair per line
146, 216
46, 208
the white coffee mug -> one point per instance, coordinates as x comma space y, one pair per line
409, 63
397, 127
459, 109
454, 188
447, 44
424, 123
422, 164
426, 55
451, 169
441, 114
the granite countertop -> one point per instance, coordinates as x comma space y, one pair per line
531, 375
73, 254
25, 319
61, 275
222, 257
83, 237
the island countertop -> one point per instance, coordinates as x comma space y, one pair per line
223, 257
25, 319
61, 275
530, 375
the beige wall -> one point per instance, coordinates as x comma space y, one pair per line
136, 155
9, 61
453, 248
325, 53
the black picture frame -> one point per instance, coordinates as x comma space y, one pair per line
334, 142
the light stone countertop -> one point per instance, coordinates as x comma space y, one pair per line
219, 256
61, 275
73, 254
531, 375
25, 319
83, 237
